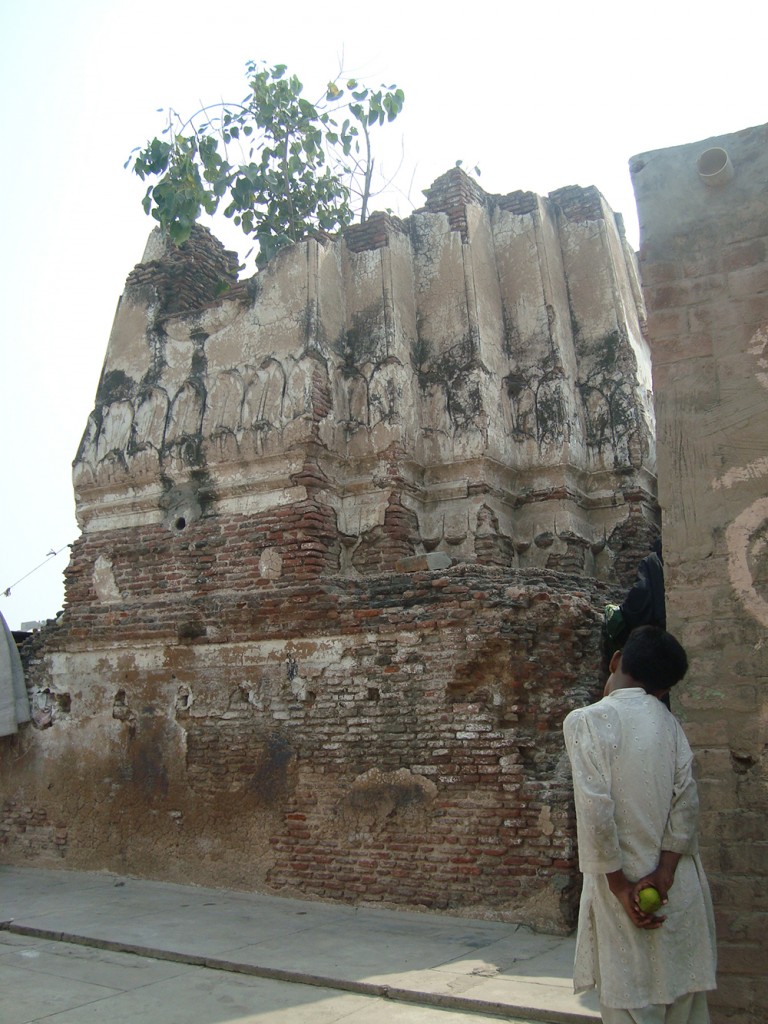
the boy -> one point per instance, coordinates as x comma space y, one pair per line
636, 813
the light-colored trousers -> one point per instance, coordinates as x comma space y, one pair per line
690, 1009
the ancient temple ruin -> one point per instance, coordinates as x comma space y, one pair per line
348, 528
475, 379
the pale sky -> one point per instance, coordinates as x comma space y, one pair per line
539, 95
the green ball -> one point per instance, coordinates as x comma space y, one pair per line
648, 900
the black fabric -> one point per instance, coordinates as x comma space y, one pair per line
645, 604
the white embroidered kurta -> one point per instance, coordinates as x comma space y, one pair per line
635, 795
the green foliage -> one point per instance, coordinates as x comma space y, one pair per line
299, 171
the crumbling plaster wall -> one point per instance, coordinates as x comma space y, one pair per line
347, 532
483, 364
396, 741
704, 267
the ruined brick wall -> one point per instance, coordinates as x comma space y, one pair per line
187, 277
394, 739
704, 266
482, 365
347, 533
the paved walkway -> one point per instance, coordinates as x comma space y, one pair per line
79, 947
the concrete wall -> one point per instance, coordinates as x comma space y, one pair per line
704, 267
347, 532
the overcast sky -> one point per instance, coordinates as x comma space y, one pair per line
539, 95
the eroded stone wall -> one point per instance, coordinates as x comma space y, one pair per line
347, 533
704, 260
481, 366
395, 738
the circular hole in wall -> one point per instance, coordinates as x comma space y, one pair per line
181, 522
714, 166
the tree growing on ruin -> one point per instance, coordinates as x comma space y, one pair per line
282, 165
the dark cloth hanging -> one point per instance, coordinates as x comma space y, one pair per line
645, 603
14, 702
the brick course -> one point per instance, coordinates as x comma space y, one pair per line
394, 739
248, 688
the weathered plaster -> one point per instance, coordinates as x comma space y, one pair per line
704, 266
347, 534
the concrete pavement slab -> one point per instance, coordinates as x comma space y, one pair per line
518, 949
383, 952
87, 964
61, 983
212, 998
24, 999
425, 959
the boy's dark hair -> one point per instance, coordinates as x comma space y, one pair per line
653, 658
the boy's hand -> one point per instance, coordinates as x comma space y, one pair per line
626, 893
662, 878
